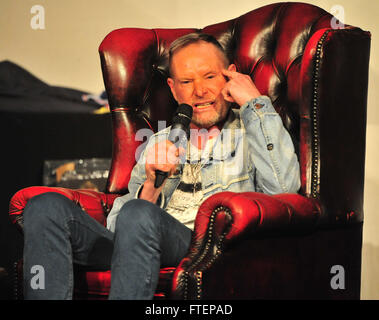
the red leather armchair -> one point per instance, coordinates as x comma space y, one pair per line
253, 245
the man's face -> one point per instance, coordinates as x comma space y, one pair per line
197, 80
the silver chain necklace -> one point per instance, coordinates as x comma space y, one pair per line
195, 167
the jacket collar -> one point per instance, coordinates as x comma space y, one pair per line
231, 135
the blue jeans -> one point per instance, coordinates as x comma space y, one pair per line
58, 233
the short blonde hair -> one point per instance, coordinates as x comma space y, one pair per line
191, 38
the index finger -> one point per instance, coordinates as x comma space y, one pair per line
230, 74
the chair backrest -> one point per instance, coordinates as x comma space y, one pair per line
311, 72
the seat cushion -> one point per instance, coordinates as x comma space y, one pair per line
95, 285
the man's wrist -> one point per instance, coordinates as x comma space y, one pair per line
261, 104
149, 193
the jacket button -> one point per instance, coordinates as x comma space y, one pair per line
270, 146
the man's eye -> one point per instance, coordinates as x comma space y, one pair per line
184, 82
212, 76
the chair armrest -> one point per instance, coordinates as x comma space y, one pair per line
96, 204
226, 218
238, 214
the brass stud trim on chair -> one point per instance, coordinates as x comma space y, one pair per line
15, 281
315, 177
201, 261
199, 275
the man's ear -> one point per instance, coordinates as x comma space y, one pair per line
232, 67
170, 83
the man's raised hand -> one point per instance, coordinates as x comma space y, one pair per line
239, 88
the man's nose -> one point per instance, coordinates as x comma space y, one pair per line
200, 89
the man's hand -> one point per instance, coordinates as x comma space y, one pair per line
163, 156
240, 88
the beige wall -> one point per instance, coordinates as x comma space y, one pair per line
65, 54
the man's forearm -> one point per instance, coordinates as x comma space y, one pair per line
272, 150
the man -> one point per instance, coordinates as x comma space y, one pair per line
149, 228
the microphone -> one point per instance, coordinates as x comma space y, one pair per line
179, 130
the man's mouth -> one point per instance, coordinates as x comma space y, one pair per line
203, 105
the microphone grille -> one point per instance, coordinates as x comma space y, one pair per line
183, 114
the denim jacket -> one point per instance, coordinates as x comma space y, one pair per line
253, 152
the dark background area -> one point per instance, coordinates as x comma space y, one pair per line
27, 140
40, 122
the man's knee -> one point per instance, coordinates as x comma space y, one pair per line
44, 206
137, 214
